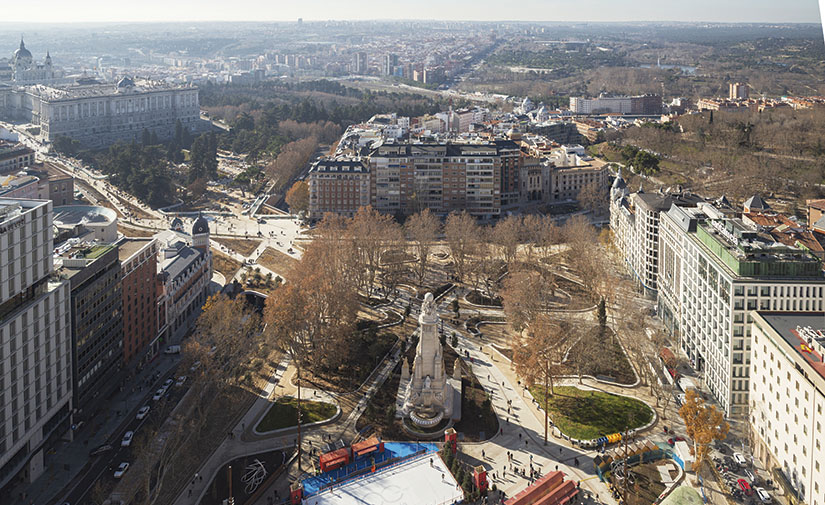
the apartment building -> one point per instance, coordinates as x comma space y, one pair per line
35, 341
14, 157
573, 169
341, 186
787, 398
637, 105
713, 269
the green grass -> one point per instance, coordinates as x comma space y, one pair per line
284, 413
586, 414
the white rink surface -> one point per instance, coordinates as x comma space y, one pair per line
411, 483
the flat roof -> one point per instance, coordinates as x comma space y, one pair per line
785, 325
412, 482
129, 246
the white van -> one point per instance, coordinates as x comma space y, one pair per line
172, 349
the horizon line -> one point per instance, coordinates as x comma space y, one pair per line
404, 20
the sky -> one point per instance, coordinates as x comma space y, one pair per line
779, 11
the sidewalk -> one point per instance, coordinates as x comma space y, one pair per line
67, 461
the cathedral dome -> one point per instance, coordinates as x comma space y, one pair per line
22, 52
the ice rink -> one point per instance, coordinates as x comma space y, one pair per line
410, 483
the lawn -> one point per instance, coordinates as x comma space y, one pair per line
225, 265
284, 413
276, 261
241, 246
587, 414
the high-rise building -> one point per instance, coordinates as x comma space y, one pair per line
787, 393
715, 266
35, 332
390, 62
738, 91
89, 260
359, 63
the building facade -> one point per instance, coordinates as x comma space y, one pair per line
185, 271
643, 105
138, 261
339, 186
35, 341
787, 397
97, 115
14, 157
714, 269
93, 271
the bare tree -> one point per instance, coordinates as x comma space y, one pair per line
461, 233
422, 228
506, 237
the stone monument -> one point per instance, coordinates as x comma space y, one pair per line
427, 394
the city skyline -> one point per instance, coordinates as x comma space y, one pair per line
741, 11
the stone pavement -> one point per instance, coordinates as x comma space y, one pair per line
66, 463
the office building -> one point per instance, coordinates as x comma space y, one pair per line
97, 115
714, 268
634, 221
787, 391
86, 256
139, 263
35, 341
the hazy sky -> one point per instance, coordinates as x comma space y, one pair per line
524, 10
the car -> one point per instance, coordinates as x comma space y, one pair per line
180, 380
143, 412
121, 469
672, 441
172, 349
763, 495
168, 383
159, 394
100, 450
740, 460
744, 486
127, 439
195, 366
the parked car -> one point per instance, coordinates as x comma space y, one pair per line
180, 380
121, 469
751, 476
763, 495
172, 349
745, 487
100, 450
143, 412
158, 394
127, 439
672, 441
195, 366
168, 383
740, 460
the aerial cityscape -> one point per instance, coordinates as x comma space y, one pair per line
346, 253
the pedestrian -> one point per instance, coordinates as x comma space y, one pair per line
519, 436
200, 478
190, 491
526, 442
482, 454
559, 450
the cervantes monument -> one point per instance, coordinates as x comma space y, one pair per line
429, 395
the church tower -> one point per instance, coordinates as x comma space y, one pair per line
200, 234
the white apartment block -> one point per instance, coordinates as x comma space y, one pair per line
715, 269
787, 397
35, 340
